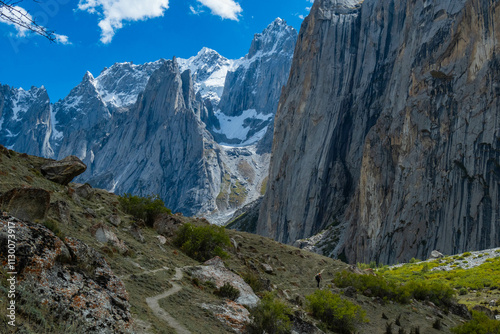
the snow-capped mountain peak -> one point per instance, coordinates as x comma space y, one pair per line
120, 84
208, 69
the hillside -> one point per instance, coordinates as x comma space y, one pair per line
157, 277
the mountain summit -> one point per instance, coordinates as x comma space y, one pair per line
195, 143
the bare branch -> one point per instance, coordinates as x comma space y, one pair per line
9, 12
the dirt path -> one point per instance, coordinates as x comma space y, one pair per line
144, 272
161, 313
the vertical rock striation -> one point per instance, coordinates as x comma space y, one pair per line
388, 132
167, 148
25, 120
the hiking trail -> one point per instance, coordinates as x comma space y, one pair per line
160, 312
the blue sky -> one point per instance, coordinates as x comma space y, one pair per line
93, 34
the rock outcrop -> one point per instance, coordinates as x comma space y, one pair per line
167, 224
67, 277
26, 203
216, 272
64, 170
389, 131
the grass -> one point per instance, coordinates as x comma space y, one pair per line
231, 194
292, 280
480, 277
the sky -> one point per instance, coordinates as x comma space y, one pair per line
94, 34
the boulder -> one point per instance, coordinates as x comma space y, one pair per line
231, 314
115, 220
435, 255
63, 171
161, 239
215, 262
136, 232
60, 210
267, 268
84, 191
166, 224
103, 234
214, 270
68, 276
26, 203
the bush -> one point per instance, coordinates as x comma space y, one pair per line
480, 324
270, 316
228, 291
338, 314
378, 286
54, 227
253, 280
202, 242
145, 208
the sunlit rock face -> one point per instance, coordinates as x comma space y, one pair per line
388, 131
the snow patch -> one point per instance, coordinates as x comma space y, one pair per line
233, 127
55, 135
19, 104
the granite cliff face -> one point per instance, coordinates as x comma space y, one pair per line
25, 120
165, 152
252, 89
388, 132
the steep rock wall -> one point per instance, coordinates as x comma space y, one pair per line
389, 128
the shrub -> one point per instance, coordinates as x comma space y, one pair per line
54, 227
253, 280
338, 314
228, 291
271, 316
145, 208
480, 324
202, 242
378, 286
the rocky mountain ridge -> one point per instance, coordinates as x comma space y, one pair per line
210, 174
387, 134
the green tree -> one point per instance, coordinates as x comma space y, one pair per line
202, 242
270, 316
145, 208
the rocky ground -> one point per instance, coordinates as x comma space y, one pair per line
160, 282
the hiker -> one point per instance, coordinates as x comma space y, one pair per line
318, 278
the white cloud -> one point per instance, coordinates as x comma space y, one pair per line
227, 9
301, 17
114, 12
196, 11
20, 15
62, 39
